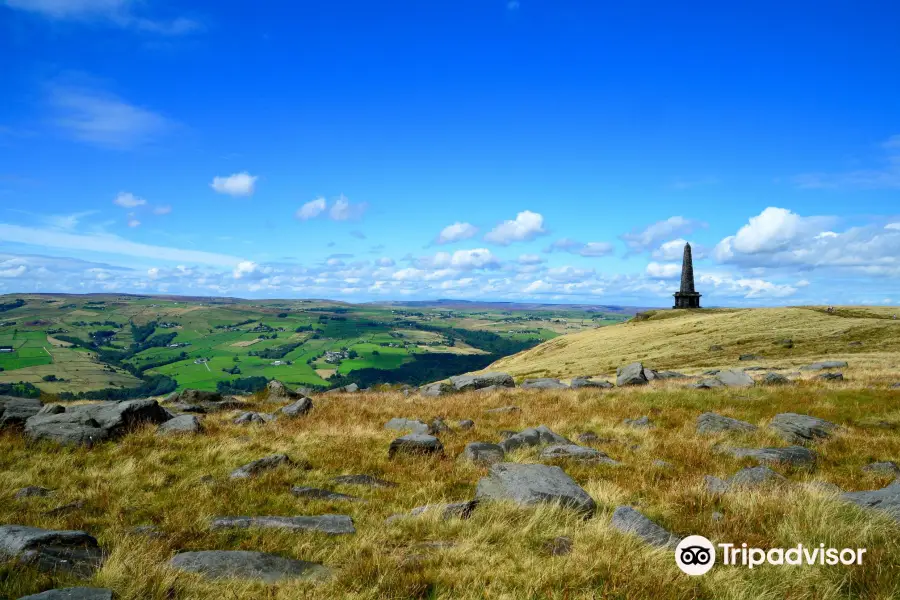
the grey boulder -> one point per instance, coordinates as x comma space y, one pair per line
881, 468
483, 453
827, 364
73, 593
50, 551
256, 467
886, 499
734, 378
330, 524
438, 388
714, 423
801, 429
466, 424
632, 374
528, 485
639, 423
319, 494
253, 418
751, 477
576, 452
831, 376
270, 568
543, 383
466, 383
453, 510
416, 444
793, 455
775, 379
276, 391
627, 520
401, 424
90, 423
366, 480
533, 436
15, 411
181, 424
583, 382
296, 409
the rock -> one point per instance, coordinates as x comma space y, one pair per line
180, 424
749, 357
715, 485
15, 411
712, 372
270, 568
438, 426
90, 423
454, 510
253, 418
632, 374
466, 383
559, 546
543, 383
491, 389
855, 344
706, 384
581, 382
717, 516
734, 378
33, 491
502, 410
466, 424
886, 499
150, 531
896, 386
347, 389
662, 464
589, 437
438, 388
627, 520
824, 487
669, 375
754, 477
66, 508
366, 480
533, 436
533, 484
52, 409
73, 593
715, 348
576, 452
792, 455
50, 551
505, 434
416, 443
714, 423
318, 494
256, 467
786, 343
832, 376
297, 409
828, 364
414, 425
639, 423
483, 453
775, 379
196, 397
650, 374
881, 468
276, 391
330, 524
800, 429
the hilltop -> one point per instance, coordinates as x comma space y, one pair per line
699, 339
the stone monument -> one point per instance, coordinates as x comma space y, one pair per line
687, 296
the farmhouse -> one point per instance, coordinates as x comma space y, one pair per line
200, 361
335, 357
6, 348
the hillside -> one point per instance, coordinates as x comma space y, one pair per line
677, 339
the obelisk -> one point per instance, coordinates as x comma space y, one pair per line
687, 296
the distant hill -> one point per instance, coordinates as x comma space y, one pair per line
512, 306
679, 339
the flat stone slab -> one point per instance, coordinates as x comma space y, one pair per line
792, 455
320, 494
182, 424
831, 376
438, 388
256, 467
882, 468
270, 568
453, 510
73, 593
366, 480
33, 491
734, 378
297, 409
714, 423
466, 383
826, 364
576, 452
330, 524
413, 425
50, 551
86, 424
775, 379
543, 383
582, 382
483, 453
748, 478
533, 436
15, 411
886, 499
627, 520
706, 384
801, 429
415, 444
530, 485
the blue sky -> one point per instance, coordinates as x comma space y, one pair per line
533, 150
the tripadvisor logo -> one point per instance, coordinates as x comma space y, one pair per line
695, 555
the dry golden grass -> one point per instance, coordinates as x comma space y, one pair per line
498, 552
680, 339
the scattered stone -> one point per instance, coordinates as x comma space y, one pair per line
576, 452
589, 437
483, 453
583, 382
632, 374
467, 383
296, 409
706, 384
318, 494
627, 520
50, 551
270, 568
714, 423
33, 491
401, 424
662, 464
502, 410
792, 455
715, 485
669, 375
454, 510
276, 391
253, 418
639, 423
466, 424
438, 426
330, 524
529, 485
180, 424
775, 379
886, 499
543, 383
883, 468
786, 344
416, 443
734, 378
753, 477
367, 480
150, 531
832, 376
73, 593
438, 388
347, 389
749, 357
15, 411
533, 436
256, 467
828, 364
90, 423
800, 429
559, 546
712, 372
715, 348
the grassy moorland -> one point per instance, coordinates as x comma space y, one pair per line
500, 551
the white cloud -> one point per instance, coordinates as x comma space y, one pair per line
239, 184
343, 210
456, 232
538, 287
385, 262
526, 226
13, 272
479, 258
644, 240
893, 226
747, 287
118, 13
128, 200
569, 274
311, 209
590, 249
153, 272
132, 222
244, 268
530, 259
663, 271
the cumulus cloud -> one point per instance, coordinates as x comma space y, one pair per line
663, 271
117, 13
128, 200
653, 235
238, 184
893, 226
530, 259
479, 258
244, 268
311, 209
589, 249
525, 227
456, 232
343, 210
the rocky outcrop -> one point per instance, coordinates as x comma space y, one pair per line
347, 389
253, 418
543, 383
276, 391
468, 383
576, 452
529, 485
736, 378
775, 379
632, 374
438, 388
827, 364
15, 411
51, 551
801, 429
583, 382
749, 478
714, 423
533, 436
330, 524
403, 424
228, 564
91, 423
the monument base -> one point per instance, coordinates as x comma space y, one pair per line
687, 300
